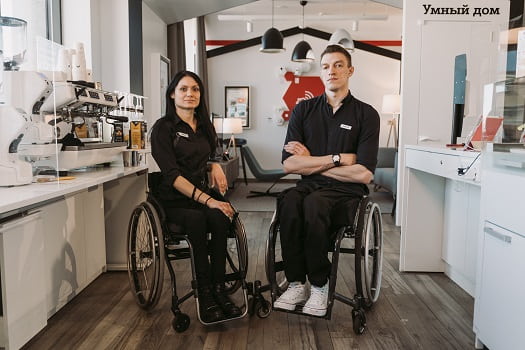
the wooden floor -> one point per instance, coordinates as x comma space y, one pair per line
414, 311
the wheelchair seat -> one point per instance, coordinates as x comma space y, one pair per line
360, 221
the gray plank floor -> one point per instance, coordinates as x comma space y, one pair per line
414, 311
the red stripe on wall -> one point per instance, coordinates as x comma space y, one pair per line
221, 42
382, 42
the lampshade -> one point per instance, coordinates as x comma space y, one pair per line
272, 41
228, 125
343, 38
391, 104
303, 52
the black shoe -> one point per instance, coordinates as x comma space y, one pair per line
226, 304
209, 310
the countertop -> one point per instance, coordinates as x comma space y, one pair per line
16, 199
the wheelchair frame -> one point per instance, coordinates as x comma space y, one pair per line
160, 240
367, 232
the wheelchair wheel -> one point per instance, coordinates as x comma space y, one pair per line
145, 255
237, 257
372, 254
273, 262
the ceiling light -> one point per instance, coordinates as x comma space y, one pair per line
272, 40
303, 51
343, 38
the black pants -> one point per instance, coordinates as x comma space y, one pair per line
308, 215
197, 220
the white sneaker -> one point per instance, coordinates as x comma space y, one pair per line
295, 294
318, 301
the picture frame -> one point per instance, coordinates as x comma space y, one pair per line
237, 104
164, 82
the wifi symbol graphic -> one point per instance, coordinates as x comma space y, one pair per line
308, 95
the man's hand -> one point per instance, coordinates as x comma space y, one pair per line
218, 179
296, 148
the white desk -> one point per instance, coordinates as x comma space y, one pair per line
53, 244
439, 228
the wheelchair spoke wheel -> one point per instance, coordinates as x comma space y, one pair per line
237, 255
145, 255
274, 266
372, 255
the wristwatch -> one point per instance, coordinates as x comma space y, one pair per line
336, 158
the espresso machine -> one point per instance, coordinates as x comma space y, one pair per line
22, 93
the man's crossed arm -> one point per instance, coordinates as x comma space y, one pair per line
303, 163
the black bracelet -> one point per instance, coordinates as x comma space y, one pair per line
199, 196
193, 193
206, 202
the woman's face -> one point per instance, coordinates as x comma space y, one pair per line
187, 94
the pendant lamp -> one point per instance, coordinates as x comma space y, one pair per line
272, 40
343, 38
303, 51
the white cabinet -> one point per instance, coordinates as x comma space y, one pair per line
499, 306
74, 245
23, 281
120, 198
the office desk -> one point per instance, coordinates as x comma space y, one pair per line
439, 230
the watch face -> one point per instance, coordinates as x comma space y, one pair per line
336, 158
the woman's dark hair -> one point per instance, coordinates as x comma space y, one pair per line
201, 112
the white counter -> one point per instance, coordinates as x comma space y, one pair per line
56, 238
16, 199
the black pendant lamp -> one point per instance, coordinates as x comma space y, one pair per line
272, 40
303, 51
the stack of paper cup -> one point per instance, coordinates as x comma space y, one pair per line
64, 62
78, 63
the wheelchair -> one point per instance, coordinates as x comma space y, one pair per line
367, 234
153, 240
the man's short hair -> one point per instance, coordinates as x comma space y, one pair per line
338, 48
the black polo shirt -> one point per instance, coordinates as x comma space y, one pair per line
179, 151
354, 128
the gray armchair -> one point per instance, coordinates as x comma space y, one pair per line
385, 175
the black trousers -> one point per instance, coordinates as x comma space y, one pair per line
197, 220
308, 215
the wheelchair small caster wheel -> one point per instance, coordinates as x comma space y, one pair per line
264, 308
358, 321
181, 322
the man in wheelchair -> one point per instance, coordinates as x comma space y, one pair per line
182, 142
332, 141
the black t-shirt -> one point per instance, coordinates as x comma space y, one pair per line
353, 128
179, 151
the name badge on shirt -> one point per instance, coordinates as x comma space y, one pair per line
183, 134
344, 126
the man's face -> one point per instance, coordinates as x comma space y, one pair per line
335, 71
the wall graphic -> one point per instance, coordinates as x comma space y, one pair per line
301, 88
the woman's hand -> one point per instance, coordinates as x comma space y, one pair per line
218, 179
225, 207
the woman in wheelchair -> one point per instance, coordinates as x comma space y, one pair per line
182, 143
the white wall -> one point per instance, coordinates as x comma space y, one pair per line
430, 43
154, 41
374, 76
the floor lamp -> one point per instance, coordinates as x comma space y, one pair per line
392, 105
